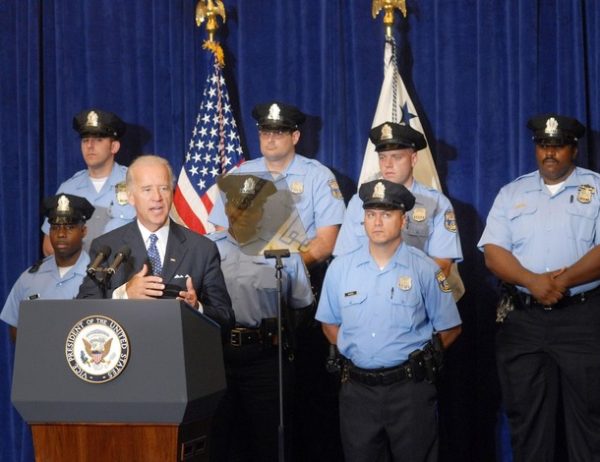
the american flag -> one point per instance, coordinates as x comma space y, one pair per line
214, 149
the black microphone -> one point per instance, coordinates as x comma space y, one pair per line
120, 257
103, 254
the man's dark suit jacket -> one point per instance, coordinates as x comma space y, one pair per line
188, 253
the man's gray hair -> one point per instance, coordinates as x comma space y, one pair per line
148, 159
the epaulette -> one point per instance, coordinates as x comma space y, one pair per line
525, 176
77, 174
36, 266
217, 235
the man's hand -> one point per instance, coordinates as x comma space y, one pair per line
546, 288
142, 285
189, 296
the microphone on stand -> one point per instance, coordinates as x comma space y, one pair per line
103, 254
121, 256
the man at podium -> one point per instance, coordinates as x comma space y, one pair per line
156, 257
59, 275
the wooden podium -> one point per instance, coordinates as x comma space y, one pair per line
157, 407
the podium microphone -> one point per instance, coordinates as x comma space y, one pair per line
121, 256
103, 254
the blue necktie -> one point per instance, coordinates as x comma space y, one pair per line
154, 256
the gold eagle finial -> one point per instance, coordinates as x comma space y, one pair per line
208, 10
388, 16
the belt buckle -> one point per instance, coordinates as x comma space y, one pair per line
235, 338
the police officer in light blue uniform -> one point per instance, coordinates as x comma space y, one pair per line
542, 240
102, 183
317, 196
320, 206
57, 276
431, 224
381, 305
248, 414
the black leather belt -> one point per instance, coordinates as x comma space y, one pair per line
528, 301
384, 376
242, 336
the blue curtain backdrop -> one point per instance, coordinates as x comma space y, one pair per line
477, 71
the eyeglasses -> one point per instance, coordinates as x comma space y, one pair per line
277, 134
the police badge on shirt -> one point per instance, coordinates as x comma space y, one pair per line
585, 193
121, 193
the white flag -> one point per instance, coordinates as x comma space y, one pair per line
395, 105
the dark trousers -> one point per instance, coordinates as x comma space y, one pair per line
245, 426
316, 414
548, 357
401, 417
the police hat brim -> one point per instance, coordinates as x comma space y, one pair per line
71, 219
561, 140
99, 132
399, 144
276, 125
383, 205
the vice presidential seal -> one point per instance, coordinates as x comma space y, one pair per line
97, 349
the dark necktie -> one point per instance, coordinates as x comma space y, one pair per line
154, 256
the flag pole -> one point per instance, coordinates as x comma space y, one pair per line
209, 10
214, 147
395, 103
388, 7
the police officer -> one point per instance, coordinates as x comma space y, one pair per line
316, 193
381, 304
431, 224
57, 276
102, 183
248, 415
541, 239
320, 205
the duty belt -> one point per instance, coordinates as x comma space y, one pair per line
527, 301
242, 336
384, 376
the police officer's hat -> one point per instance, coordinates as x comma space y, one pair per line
390, 135
246, 191
94, 122
555, 129
276, 115
66, 209
384, 194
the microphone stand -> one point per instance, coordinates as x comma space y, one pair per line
100, 277
278, 255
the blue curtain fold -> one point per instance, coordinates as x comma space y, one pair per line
477, 70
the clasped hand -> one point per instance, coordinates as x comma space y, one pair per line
546, 288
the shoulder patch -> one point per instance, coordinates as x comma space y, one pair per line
335, 189
450, 221
442, 281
